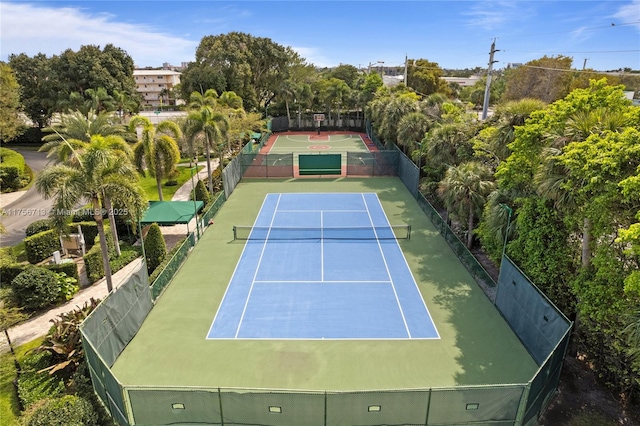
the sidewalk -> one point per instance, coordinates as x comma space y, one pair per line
39, 326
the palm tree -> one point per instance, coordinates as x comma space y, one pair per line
80, 126
157, 150
214, 126
124, 104
230, 100
412, 129
464, 191
73, 135
551, 176
197, 100
100, 171
287, 92
99, 100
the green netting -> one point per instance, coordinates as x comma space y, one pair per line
272, 408
175, 406
266, 165
481, 405
534, 319
469, 261
408, 173
214, 208
117, 319
170, 269
378, 408
378, 163
231, 175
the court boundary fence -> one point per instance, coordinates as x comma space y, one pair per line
541, 327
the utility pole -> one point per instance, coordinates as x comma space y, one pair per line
584, 64
487, 90
405, 70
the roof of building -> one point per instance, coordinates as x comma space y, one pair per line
171, 212
155, 72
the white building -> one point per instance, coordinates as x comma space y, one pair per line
462, 81
153, 85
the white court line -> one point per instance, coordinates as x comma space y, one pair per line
321, 246
246, 303
404, 320
322, 282
234, 272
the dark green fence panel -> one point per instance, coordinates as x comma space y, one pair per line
322, 164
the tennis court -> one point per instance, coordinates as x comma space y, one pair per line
322, 266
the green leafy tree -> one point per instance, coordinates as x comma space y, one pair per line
464, 191
157, 151
546, 79
425, 77
11, 123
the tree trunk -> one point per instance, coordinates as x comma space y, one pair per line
286, 102
209, 178
586, 243
470, 229
159, 186
97, 215
112, 222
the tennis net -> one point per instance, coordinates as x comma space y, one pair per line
391, 232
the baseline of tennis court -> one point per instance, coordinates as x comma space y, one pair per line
322, 266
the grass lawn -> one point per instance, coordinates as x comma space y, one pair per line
149, 184
9, 412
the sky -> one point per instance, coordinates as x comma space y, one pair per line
603, 34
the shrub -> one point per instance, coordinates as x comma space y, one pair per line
69, 268
38, 226
41, 245
35, 288
201, 193
155, 247
68, 286
34, 385
69, 410
93, 260
12, 168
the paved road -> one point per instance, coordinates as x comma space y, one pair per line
29, 207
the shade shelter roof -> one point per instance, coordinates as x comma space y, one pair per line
171, 212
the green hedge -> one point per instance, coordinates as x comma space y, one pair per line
41, 245
9, 271
38, 226
12, 169
35, 288
166, 261
69, 410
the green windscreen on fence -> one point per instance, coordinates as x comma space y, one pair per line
322, 164
266, 165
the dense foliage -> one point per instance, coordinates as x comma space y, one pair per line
155, 247
11, 122
35, 288
12, 170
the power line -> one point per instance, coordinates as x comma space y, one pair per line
583, 51
613, 25
578, 71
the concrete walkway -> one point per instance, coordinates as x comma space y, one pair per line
39, 326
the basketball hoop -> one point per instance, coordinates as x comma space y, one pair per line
318, 118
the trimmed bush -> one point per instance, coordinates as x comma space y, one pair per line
12, 168
201, 193
155, 248
33, 385
35, 288
69, 268
41, 245
38, 226
69, 410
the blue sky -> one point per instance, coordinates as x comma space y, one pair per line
455, 34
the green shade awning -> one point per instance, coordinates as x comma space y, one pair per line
170, 212
256, 136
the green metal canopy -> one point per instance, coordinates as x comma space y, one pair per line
171, 212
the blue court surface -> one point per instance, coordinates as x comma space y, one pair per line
322, 266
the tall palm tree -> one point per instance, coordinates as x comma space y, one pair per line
464, 191
157, 150
73, 135
100, 171
412, 129
124, 104
214, 128
287, 92
230, 100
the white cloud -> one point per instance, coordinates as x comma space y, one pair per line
31, 29
629, 13
491, 15
313, 56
